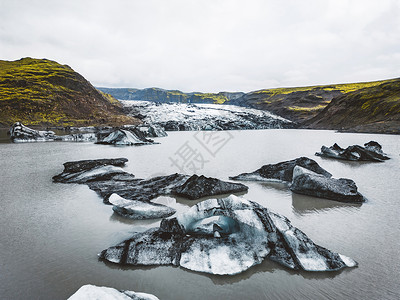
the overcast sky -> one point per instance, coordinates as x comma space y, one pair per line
208, 45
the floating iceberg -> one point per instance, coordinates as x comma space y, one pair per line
85, 171
310, 183
225, 237
132, 196
372, 151
125, 137
282, 171
92, 292
139, 210
152, 130
20, 133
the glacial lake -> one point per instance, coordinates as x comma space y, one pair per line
51, 233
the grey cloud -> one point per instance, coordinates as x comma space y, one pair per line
212, 45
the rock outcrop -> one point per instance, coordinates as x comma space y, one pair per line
310, 183
282, 171
106, 177
225, 237
92, 292
372, 151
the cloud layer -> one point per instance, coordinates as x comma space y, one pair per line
208, 45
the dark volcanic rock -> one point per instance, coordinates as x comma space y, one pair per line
106, 177
225, 236
371, 152
200, 186
85, 171
282, 171
309, 183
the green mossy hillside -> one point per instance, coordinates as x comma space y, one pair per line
302, 103
370, 109
46, 93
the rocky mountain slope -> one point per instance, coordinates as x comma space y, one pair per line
161, 95
370, 109
300, 103
46, 93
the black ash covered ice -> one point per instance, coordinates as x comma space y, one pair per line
282, 171
372, 151
225, 237
312, 184
107, 178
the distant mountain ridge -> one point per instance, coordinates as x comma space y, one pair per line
161, 95
364, 106
45, 93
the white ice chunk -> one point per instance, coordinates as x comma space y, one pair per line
99, 172
92, 292
139, 209
217, 259
348, 261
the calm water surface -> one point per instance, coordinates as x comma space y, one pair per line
51, 233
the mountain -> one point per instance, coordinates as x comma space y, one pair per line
161, 95
297, 104
374, 108
44, 92
300, 103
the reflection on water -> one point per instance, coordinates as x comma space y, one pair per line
51, 233
268, 266
280, 186
4, 137
303, 204
136, 223
350, 163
